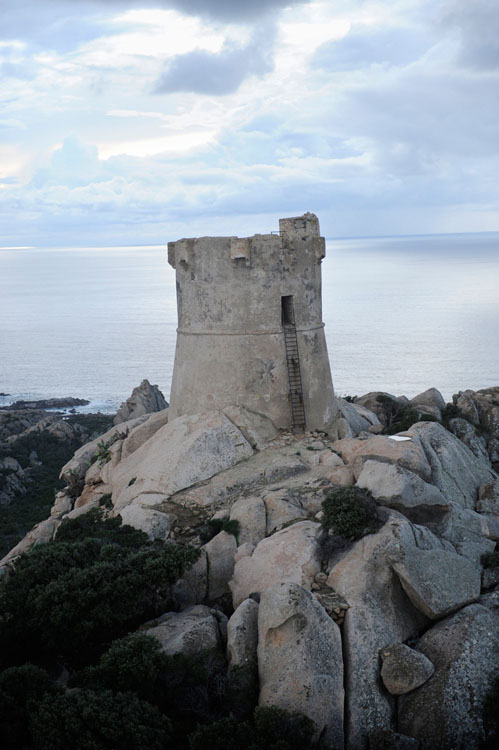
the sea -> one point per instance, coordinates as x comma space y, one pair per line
402, 314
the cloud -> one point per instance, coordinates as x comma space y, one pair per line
63, 24
363, 47
222, 10
72, 165
476, 25
219, 73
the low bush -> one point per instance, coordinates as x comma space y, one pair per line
69, 599
349, 513
215, 525
21, 688
272, 728
490, 559
399, 416
131, 664
88, 720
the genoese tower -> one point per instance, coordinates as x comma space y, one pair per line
250, 328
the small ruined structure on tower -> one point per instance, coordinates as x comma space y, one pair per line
250, 328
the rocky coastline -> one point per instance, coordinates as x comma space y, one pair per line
350, 577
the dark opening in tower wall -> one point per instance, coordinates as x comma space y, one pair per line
288, 315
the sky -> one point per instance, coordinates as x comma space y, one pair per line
142, 121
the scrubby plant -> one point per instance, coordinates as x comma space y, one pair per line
95, 424
88, 720
399, 416
349, 513
131, 664
93, 525
215, 525
102, 454
272, 728
69, 599
21, 688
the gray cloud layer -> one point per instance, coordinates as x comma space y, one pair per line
363, 47
477, 26
204, 72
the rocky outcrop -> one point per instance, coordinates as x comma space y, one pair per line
300, 662
379, 614
405, 453
292, 583
15, 422
436, 581
447, 711
405, 491
186, 451
145, 399
291, 555
455, 470
404, 669
356, 418
251, 515
242, 636
375, 401
470, 436
88, 453
481, 409
220, 552
42, 533
488, 498
190, 632
48, 403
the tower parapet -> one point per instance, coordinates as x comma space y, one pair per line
233, 296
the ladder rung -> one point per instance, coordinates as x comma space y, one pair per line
294, 377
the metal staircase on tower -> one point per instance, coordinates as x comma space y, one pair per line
293, 365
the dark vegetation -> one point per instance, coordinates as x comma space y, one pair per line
490, 559
75, 672
400, 416
42, 455
491, 717
215, 525
349, 513
450, 411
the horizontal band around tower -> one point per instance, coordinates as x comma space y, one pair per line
246, 332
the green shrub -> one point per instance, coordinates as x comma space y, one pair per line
41, 483
224, 734
102, 454
131, 664
450, 411
68, 601
215, 525
92, 423
349, 513
21, 688
274, 725
399, 416
272, 729
88, 720
93, 525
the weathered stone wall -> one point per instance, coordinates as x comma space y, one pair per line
230, 342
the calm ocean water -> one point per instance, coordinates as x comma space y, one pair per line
401, 314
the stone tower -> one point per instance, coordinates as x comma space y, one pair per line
250, 328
